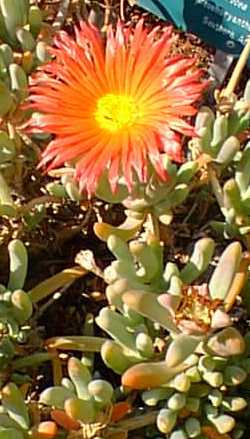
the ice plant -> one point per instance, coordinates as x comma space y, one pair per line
114, 105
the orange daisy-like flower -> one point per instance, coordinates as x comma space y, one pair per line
114, 105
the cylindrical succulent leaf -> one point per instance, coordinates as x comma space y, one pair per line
192, 427
153, 396
114, 357
186, 172
242, 175
223, 423
232, 197
150, 375
56, 396
120, 249
13, 403
234, 375
146, 304
80, 410
73, 191
180, 348
25, 39
18, 264
178, 434
144, 344
22, 306
206, 363
177, 401
144, 254
227, 342
116, 325
115, 291
199, 261
175, 286
220, 131
225, 271
204, 141
204, 118
6, 53
166, 420
67, 383
193, 374
171, 269
18, 79
181, 382
14, 13
234, 403
42, 53
80, 376
215, 379
35, 19
101, 391
228, 150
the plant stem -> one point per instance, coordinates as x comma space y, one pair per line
228, 91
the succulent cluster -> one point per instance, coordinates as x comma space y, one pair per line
192, 371
23, 47
16, 310
81, 402
15, 419
221, 143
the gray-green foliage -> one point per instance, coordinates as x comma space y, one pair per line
20, 53
81, 397
196, 371
16, 309
220, 140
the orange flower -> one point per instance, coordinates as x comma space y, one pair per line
114, 106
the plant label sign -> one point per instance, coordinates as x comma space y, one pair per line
224, 24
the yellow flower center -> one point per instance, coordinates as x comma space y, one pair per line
116, 111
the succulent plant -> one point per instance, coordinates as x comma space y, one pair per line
234, 198
16, 306
15, 420
202, 352
22, 49
220, 135
81, 402
20, 344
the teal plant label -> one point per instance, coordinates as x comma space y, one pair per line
224, 24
